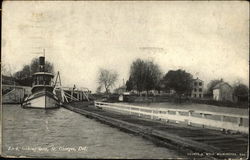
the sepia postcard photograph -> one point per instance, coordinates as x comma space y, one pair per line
125, 79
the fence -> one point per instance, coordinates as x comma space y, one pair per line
224, 121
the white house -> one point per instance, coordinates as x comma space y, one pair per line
197, 90
223, 92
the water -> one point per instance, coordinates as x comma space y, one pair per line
64, 134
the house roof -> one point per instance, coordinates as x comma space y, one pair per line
198, 80
219, 85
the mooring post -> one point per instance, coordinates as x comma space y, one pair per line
203, 116
167, 112
158, 114
189, 117
177, 114
152, 116
222, 120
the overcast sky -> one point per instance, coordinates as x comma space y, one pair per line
208, 39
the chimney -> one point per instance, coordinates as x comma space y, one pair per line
41, 64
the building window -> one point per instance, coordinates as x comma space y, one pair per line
195, 83
194, 95
200, 95
200, 84
200, 89
194, 89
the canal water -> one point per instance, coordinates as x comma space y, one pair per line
65, 134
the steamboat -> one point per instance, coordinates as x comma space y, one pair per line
43, 95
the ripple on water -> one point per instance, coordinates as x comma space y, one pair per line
63, 128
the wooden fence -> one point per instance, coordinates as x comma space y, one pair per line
223, 121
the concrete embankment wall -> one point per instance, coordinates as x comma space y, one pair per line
185, 139
14, 94
160, 138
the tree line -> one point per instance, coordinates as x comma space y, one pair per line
24, 76
145, 75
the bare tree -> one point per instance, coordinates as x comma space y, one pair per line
98, 90
6, 70
107, 79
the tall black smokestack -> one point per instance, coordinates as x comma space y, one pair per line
41, 64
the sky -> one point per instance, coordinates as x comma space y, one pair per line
208, 39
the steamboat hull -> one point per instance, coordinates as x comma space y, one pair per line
43, 99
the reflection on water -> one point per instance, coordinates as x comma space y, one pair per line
62, 133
